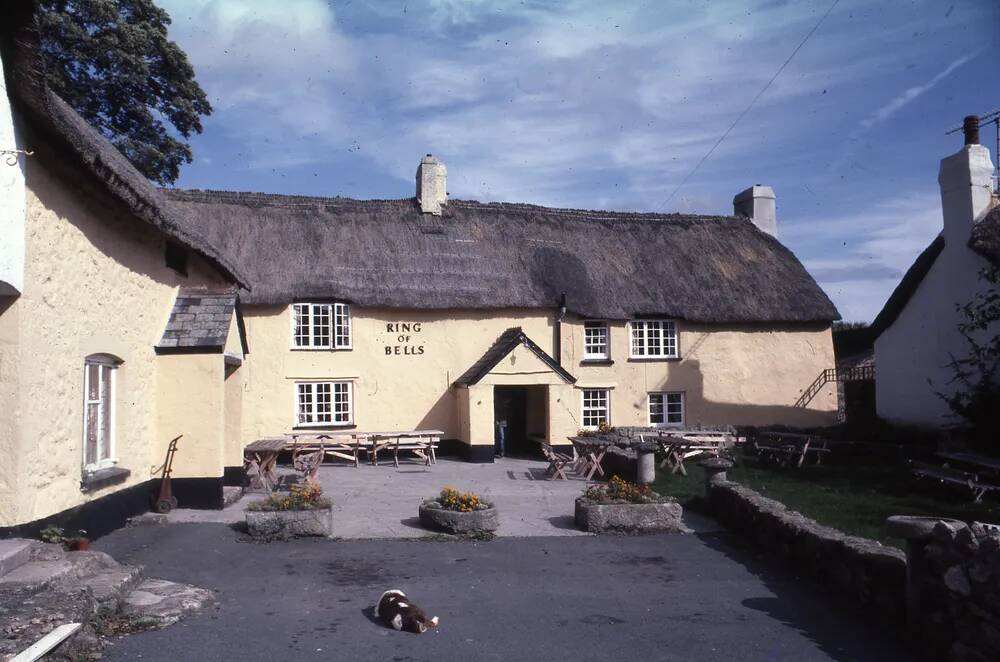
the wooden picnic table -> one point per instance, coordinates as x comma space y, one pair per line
977, 487
260, 462
676, 449
422, 443
786, 448
589, 452
990, 464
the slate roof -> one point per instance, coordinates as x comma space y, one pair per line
504, 345
610, 265
199, 320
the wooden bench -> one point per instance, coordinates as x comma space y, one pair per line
557, 461
945, 474
260, 460
788, 449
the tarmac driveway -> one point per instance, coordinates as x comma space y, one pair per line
673, 597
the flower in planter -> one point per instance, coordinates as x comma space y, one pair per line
618, 490
463, 502
307, 496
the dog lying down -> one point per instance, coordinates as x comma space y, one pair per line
397, 612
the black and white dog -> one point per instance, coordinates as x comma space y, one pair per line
397, 612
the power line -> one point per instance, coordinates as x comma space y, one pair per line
752, 102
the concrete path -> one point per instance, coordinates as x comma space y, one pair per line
672, 597
381, 502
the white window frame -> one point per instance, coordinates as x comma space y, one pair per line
584, 408
336, 330
596, 356
667, 333
314, 412
107, 369
665, 412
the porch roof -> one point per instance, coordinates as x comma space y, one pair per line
508, 341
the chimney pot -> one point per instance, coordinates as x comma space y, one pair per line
758, 204
432, 185
970, 127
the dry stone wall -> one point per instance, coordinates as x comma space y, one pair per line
859, 569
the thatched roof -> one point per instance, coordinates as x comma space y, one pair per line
489, 256
79, 144
508, 341
986, 236
199, 320
900, 296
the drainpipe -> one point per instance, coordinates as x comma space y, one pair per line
561, 313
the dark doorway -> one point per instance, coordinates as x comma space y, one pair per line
522, 408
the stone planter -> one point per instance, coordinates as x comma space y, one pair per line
629, 517
290, 523
453, 521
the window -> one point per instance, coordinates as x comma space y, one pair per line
99, 411
321, 326
176, 257
666, 409
595, 408
595, 340
324, 403
654, 339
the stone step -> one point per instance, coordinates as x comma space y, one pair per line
159, 603
110, 586
46, 568
230, 495
14, 553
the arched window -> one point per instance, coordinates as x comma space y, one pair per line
99, 411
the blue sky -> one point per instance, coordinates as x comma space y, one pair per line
607, 105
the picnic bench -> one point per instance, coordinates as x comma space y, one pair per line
971, 481
260, 462
789, 449
421, 443
588, 452
557, 461
680, 445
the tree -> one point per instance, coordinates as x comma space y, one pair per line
976, 399
112, 62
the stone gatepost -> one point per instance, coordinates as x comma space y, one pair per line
645, 472
918, 532
715, 470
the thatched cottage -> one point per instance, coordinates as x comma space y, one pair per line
119, 329
131, 315
426, 312
917, 332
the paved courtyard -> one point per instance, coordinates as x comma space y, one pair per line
381, 502
672, 597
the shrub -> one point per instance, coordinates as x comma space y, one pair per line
603, 428
308, 496
618, 490
463, 502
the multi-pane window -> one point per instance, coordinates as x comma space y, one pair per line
324, 403
654, 338
321, 325
595, 340
595, 408
666, 409
98, 411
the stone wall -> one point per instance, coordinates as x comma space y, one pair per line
956, 591
863, 571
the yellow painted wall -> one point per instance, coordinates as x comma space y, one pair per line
398, 390
191, 402
95, 282
730, 374
735, 375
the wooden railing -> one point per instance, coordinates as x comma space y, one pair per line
855, 374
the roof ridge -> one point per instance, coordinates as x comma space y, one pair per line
217, 195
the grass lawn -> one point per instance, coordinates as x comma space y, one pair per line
853, 499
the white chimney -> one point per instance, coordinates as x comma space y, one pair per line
966, 189
757, 204
432, 185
